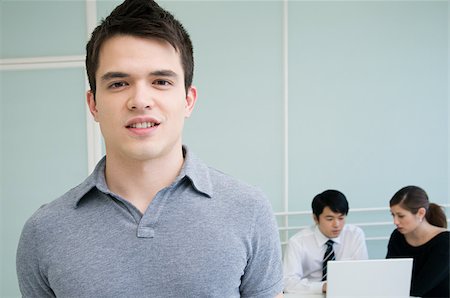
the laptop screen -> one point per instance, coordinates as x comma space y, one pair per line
369, 278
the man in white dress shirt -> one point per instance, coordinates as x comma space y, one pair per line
305, 252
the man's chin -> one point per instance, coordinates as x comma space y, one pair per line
336, 234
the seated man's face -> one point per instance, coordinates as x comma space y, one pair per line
330, 223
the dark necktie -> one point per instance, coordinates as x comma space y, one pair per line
328, 256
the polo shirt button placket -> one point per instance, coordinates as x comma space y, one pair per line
145, 232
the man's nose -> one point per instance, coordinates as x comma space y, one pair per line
141, 98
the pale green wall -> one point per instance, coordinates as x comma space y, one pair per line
368, 99
42, 116
36, 28
368, 103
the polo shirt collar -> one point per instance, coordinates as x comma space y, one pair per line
197, 172
193, 168
96, 179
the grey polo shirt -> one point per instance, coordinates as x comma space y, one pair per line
206, 235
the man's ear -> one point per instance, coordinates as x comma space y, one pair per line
90, 98
316, 220
191, 98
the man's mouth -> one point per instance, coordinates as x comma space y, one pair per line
142, 125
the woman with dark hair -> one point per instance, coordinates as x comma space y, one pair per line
421, 234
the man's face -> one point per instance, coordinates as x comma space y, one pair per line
140, 101
330, 223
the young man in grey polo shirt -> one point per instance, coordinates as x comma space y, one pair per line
152, 220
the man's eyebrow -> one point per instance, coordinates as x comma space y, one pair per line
113, 75
164, 73
120, 75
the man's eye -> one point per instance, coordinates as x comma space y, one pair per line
162, 83
116, 85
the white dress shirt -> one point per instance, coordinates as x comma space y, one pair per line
302, 264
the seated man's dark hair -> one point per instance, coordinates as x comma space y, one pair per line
333, 199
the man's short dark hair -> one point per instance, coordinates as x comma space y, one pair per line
140, 18
333, 199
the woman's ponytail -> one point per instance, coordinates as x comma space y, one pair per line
436, 216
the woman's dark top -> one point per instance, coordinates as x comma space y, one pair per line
430, 274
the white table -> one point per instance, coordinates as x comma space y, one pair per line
295, 295
298, 295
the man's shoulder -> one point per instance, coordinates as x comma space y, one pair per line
353, 234
59, 207
234, 195
305, 234
225, 185
227, 181
353, 229
219, 184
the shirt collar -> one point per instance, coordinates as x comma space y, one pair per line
197, 172
96, 179
322, 239
193, 168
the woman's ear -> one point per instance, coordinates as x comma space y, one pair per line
421, 213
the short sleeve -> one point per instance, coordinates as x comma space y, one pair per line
263, 273
32, 283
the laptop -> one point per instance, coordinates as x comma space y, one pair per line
369, 278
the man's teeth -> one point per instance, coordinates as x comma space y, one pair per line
142, 125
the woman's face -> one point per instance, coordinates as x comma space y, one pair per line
405, 220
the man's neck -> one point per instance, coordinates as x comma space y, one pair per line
139, 181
